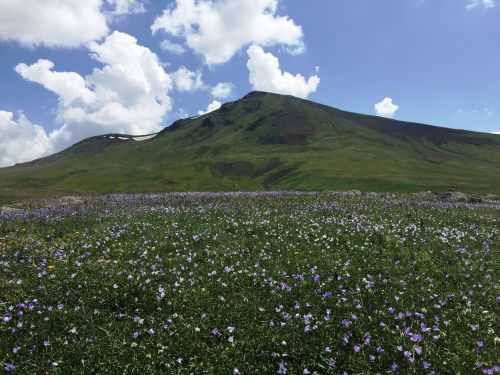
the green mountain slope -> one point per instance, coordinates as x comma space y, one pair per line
269, 142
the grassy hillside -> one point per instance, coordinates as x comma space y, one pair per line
267, 141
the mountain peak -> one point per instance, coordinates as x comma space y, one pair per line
255, 94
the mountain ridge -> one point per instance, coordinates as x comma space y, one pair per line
268, 141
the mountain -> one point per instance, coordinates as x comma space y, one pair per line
268, 142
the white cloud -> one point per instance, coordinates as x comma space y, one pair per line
181, 113
299, 49
498, 132
68, 86
218, 29
480, 3
386, 108
222, 90
128, 94
68, 23
186, 80
21, 140
266, 75
61, 23
174, 48
121, 7
214, 106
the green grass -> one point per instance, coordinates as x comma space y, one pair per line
320, 148
227, 285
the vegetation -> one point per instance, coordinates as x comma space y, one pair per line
269, 142
250, 283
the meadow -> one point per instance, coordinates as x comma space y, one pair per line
268, 283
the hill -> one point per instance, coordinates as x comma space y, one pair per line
268, 142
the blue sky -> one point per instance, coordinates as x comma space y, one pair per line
433, 61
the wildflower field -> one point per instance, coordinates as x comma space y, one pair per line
261, 283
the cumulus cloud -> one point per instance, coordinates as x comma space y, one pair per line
56, 23
386, 108
68, 86
222, 90
266, 75
128, 94
214, 106
173, 48
186, 80
217, 29
21, 140
498, 132
487, 4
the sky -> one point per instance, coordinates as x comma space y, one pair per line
70, 69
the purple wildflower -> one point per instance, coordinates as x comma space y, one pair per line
409, 356
479, 345
59, 254
332, 363
367, 339
282, 370
216, 332
7, 317
346, 323
415, 337
9, 367
345, 339
424, 328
